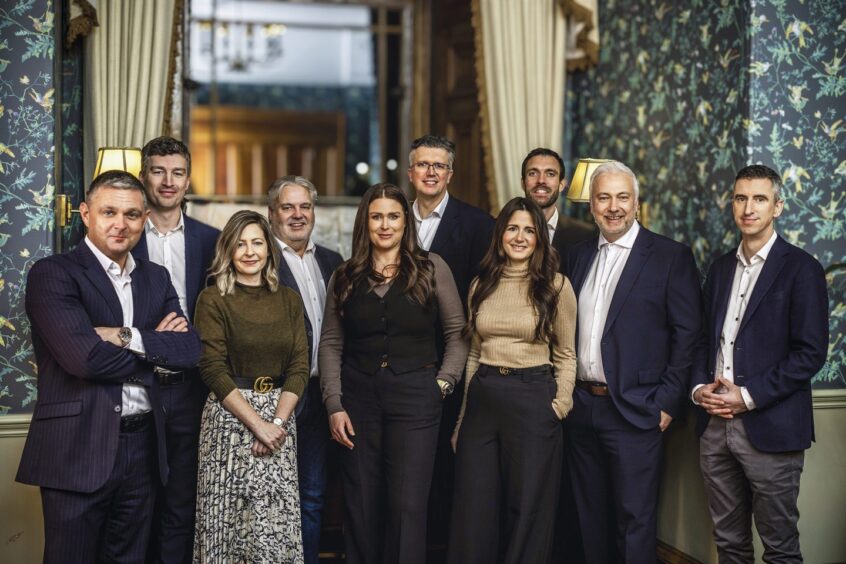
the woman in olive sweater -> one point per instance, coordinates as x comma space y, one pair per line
382, 380
255, 361
520, 377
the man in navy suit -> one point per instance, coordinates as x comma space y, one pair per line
305, 268
638, 326
185, 247
460, 234
543, 180
101, 321
766, 312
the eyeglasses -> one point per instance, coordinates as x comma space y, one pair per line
423, 166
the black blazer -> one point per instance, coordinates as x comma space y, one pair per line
652, 329
73, 437
328, 261
782, 342
200, 240
462, 239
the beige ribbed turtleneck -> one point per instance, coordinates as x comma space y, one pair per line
505, 334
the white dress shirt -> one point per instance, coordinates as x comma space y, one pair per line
427, 227
552, 224
595, 299
312, 287
134, 399
746, 275
168, 250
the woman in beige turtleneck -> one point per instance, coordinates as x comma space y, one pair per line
518, 387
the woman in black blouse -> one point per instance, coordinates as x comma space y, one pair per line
382, 380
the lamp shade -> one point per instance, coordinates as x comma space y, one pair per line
118, 158
580, 186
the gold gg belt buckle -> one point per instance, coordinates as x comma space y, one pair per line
263, 384
504, 371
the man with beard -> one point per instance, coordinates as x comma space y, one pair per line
306, 269
542, 178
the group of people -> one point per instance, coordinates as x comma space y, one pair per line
160, 440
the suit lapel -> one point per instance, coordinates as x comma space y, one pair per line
100, 280
721, 299
772, 266
582, 266
326, 269
193, 265
140, 299
140, 250
637, 259
449, 221
286, 277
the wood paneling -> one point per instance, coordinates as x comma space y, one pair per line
255, 147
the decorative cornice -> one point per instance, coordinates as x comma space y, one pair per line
829, 399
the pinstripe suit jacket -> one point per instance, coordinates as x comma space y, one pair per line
73, 437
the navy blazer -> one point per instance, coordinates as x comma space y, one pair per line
200, 241
73, 437
652, 328
782, 342
328, 260
462, 239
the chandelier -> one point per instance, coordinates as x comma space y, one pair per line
240, 44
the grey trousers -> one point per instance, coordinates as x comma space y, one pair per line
742, 481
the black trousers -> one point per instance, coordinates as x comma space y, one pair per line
508, 469
172, 535
386, 477
111, 524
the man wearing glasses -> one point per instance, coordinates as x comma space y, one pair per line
460, 234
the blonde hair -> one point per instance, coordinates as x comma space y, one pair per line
222, 269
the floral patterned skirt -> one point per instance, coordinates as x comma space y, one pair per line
248, 507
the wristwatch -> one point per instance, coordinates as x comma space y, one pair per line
125, 336
446, 388
278, 421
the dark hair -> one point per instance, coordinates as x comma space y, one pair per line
543, 267
162, 147
223, 271
118, 179
433, 142
542, 152
415, 269
753, 172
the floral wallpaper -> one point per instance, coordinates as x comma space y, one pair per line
357, 102
686, 93
27, 93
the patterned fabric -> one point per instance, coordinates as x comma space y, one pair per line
248, 507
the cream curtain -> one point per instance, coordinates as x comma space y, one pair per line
521, 48
128, 70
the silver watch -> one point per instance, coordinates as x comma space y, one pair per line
278, 421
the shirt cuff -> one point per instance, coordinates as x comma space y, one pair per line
136, 345
747, 398
693, 391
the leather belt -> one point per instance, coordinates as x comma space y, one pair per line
262, 384
594, 388
541, 373
169, 378
136, 423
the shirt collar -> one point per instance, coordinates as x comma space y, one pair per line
149, 227
283, 246
553, 221
626, 241
762, 253
110, 266
437, 212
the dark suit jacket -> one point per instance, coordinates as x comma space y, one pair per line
328, 261
200, 240
652, 327
73, 437
462, 239
782, 342
569, 233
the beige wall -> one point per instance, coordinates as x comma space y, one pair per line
683, 515
21, 527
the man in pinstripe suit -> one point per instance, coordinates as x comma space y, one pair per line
100, 321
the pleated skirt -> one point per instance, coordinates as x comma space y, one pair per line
248, 507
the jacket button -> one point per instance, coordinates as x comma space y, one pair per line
117, 409
310, 334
